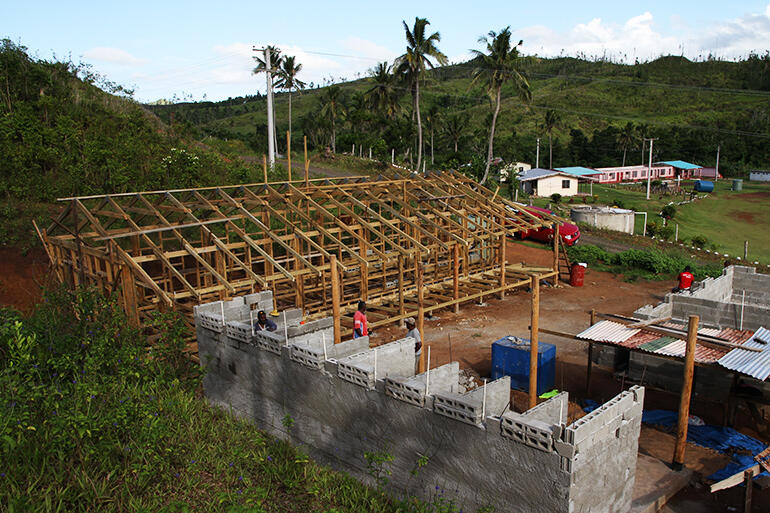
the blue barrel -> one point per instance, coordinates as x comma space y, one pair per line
704, 186
510, 357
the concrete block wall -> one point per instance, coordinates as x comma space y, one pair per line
719, 302
523, 463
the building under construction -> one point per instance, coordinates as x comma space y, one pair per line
319, 245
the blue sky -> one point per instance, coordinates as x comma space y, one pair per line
196, 48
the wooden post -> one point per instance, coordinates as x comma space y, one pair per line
456, 276
307, 164
420, 314
288, 151
590, 363
401, 288
364, 270
502, 265
128, 289
556, 238
748, 476
533, 341
684, 401
335, 297
264, 167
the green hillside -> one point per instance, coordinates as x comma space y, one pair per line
691, 107
61, 134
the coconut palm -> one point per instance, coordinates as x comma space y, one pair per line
287, 79
549, 123
383, 95
419, 51
626, 138
455, 127
501, 64
432, 118
332, 108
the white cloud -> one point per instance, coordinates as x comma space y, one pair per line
368, 50
112, 55
641, 37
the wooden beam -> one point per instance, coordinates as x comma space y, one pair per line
533, 341
420, 310
684, 399
734, 479
268, 231
335, 299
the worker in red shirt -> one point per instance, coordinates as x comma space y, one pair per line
685, 280
360, 326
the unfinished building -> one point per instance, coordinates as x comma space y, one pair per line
346, 400
319, 245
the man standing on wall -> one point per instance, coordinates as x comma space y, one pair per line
263, 323
360, 326
685, 280
413, 332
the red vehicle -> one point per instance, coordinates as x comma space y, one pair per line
570, 233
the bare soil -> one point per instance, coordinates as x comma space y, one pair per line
22, 277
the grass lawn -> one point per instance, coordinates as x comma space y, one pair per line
725, 218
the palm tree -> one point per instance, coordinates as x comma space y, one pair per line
501, 64
383, 95
332, 108
432, 117
261, 67
287, 79
454, 127
549, 123
419, 51
626, 138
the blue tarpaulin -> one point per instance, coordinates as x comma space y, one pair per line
721, 439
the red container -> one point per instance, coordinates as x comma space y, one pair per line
577, 272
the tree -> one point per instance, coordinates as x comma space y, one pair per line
455, 127
383, 95
549, 123
626, 138
332, 108
501, 64
432, 117
419, 51
261, 67
287, 79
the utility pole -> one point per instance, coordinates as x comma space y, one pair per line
716, 174
649, 168
537, 157
270, 119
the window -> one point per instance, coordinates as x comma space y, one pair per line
635, 173
565, 184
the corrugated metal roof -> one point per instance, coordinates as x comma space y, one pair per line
579, 170
608, 331
645, 340
538, 172
752, 363
680, 164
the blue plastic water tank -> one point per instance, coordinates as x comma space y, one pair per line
510, 357
704, 186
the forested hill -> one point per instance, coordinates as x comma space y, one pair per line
602, 109
61, 135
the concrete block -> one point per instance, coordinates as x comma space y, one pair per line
564, 449
395, 358
413, 390
552, 411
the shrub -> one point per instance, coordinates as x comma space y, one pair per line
618, 203
652, 229
699, 241
556, 197
668, 212
666, 232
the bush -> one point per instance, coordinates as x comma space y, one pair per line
652, 229
699, 241
666, 232
618, 203
668, 212
556, 197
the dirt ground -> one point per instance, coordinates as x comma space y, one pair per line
22, 277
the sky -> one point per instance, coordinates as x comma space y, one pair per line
191, 49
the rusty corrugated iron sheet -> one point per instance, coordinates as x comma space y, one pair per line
751, 363
632, 338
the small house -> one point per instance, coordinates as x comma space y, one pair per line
545, 182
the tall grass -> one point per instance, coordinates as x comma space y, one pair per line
92, 420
